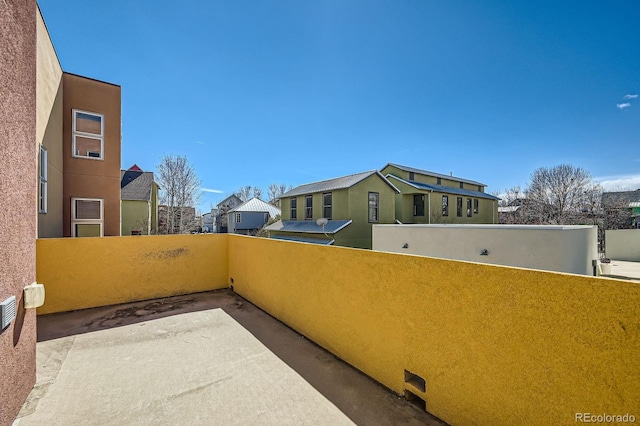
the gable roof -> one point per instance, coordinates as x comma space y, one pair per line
256, 205
444, 189
135, 185
437, 175
308, 226
232, 197
342, 182
303, 239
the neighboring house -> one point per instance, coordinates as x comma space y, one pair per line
621, 209
78, 125
250, 216
178, 220
350, 205
426, 197
222, 208
139, 195
208, 222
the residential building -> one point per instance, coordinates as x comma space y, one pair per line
208, 222
221, 212
139, 202
348, 205
250, 216
426, 197
78, 122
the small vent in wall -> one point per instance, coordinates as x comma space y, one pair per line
7, 312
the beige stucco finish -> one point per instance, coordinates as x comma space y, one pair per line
49, 128
623, 244
550, 248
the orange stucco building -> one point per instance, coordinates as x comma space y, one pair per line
78, 136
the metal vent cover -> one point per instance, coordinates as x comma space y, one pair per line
7, 312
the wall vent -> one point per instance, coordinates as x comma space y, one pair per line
7, 312
415, 381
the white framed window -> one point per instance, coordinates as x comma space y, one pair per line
308, 210
88, 135
87, 217
327, 205
238, 217
42, 193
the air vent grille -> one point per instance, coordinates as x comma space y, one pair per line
7, 312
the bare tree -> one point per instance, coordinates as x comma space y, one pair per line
617, 210
562, 194
257, 192
275, 190
246, 192
180, 192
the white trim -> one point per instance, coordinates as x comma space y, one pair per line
76, 133
75, 221
43, 185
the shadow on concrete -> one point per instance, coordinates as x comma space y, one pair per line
358, 396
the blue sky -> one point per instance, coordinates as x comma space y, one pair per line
259, 92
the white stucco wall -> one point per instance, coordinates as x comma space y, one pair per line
623, 244
551, 248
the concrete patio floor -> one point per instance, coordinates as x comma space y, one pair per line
206, 358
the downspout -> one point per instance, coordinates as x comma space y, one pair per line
493, 212
149, 220
429, 203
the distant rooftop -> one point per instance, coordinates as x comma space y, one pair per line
447, 189
135, 185
428, 173
256, 205
333, 184
309, 226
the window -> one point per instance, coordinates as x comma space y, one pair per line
411, 176
475, 206
88, 135
418, 205
459, 207
479, 188
308, 210
42, 196
238, 217
326, 205
468, 207
374, 204
445, 205
439, 181
294, 208
86, 217
461, 185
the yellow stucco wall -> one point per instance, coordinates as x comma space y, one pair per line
496, 345
81, 273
